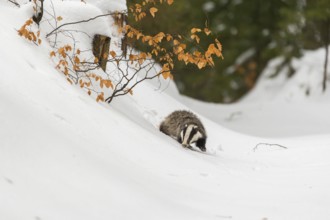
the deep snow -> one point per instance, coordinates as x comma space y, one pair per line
64, 156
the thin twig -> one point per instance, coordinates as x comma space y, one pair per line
78, 22
267, 144
15, 3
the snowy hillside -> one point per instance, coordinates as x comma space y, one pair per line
65, 156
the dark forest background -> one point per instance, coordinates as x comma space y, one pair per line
252, 33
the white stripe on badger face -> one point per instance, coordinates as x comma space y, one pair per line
186, 135
181, 135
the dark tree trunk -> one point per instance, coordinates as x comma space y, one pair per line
121, 20
327, 40
39, 13
101, 47
124, 40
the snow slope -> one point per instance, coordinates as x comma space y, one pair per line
64, 156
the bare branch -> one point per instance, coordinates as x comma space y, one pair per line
82, 21
15, 3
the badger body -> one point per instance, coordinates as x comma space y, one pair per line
186, 128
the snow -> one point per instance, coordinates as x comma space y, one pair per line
287, 107
240, 60
208, 6
305, 85
65, 156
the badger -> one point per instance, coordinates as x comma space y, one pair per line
186, 128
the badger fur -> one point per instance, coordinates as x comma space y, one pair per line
186, 128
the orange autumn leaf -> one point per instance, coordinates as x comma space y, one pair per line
113, 54
166, 73
194, 30
76, 60
61, 51
153, 10
170, 2
100, 97
201, 64
195, 37
207, 31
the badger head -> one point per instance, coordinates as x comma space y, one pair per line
192, 135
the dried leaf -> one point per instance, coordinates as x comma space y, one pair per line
108, 83
68, 48
100, 97
29, 22
207, 31
113, 54
195, 37
176, 42
201, 64
130, 91
61, 51
66, 71
170, 2
153, 10
166, 73
194, 30
76, 60
69, 80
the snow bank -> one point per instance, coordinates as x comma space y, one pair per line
279, 106
306, 83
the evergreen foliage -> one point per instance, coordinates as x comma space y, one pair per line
253, 32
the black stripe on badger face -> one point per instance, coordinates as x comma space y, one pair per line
182, 134
192, 134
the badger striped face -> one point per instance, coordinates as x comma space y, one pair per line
191, 135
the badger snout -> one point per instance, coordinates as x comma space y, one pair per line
202, 148
200, 143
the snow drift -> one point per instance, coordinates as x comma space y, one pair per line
64, 156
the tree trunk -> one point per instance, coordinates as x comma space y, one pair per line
101, 47
121, 20
39, 13
327, 40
